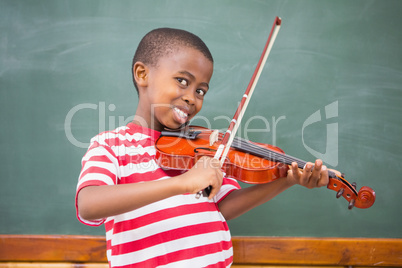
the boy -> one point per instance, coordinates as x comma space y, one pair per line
151, 215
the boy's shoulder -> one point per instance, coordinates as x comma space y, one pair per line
125, 135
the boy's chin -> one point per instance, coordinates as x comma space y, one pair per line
177, 126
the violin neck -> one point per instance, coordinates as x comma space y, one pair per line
254, 149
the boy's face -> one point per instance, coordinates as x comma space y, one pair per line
175, 89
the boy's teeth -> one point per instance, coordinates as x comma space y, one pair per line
181, 113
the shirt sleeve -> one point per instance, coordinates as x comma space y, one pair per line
99, 167
228, 185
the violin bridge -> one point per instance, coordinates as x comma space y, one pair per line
213, 137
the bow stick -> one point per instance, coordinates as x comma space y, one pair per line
230, 133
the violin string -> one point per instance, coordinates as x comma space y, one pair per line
266, 153
255, 149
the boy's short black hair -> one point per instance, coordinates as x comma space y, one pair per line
162, 41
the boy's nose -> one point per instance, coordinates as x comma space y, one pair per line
189, 97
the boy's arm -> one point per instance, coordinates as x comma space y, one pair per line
240, 201
98, 202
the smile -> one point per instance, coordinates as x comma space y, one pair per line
180, 113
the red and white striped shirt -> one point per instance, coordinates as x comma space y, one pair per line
180, 231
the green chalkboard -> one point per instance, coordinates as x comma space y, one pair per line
332, 88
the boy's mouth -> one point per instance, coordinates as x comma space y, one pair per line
180, 115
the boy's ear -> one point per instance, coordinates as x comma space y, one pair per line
140, 73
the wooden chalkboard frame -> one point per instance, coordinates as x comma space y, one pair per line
253, 251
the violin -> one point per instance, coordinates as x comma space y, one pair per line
246, 161
243, 160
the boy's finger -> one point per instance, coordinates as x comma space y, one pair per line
305, 176
316, 173
214, 191
324, 180
215, 163
217, 182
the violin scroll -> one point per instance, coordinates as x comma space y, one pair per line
365, 198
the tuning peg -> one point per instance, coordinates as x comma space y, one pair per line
351, 204
340, 192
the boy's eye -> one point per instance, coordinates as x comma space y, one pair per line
201, 92
182, 81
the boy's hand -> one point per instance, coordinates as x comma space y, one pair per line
206, 172
311, 176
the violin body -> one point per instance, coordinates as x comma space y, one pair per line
246, 161
181, 153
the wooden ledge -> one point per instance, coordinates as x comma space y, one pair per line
248, 251
318, 251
